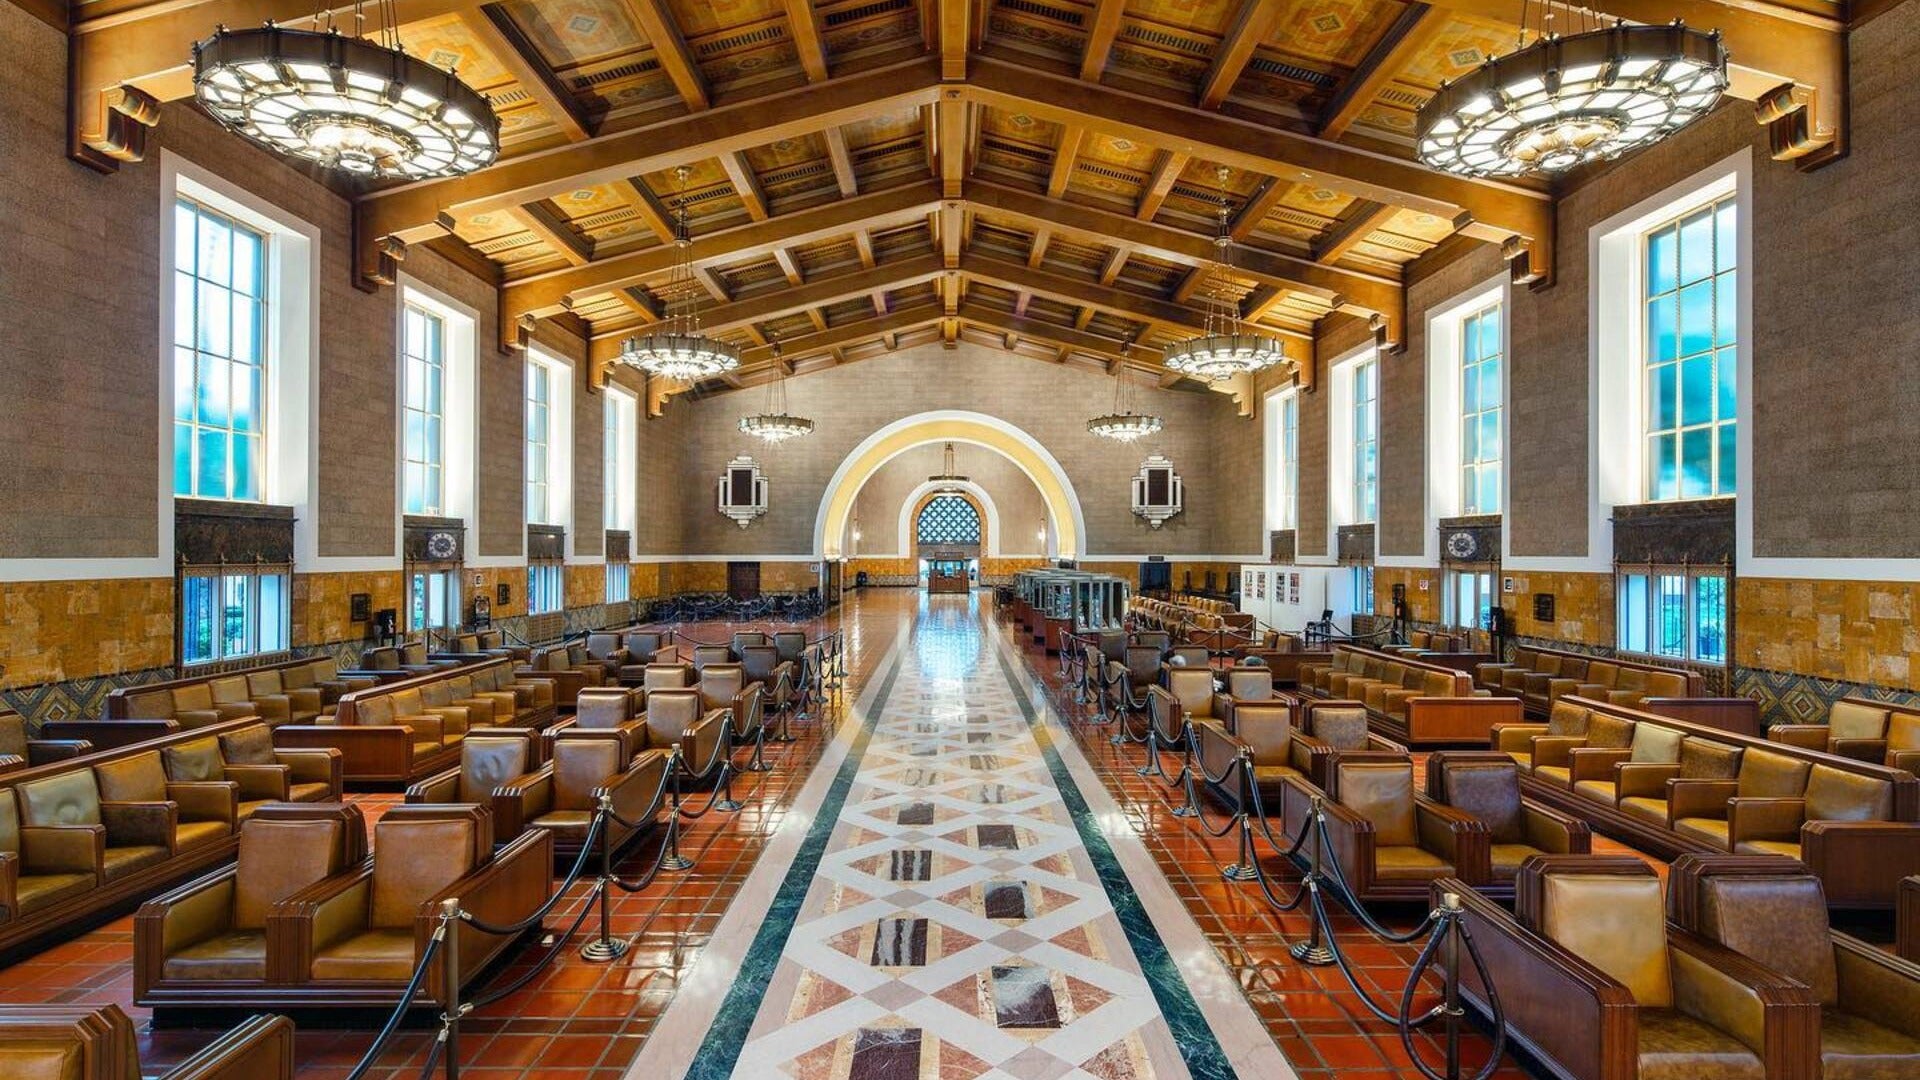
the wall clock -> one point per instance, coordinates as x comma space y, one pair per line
441, 545
1461, 544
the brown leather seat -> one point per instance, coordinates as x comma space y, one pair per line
18, 750
776, 678
1265, 730
57, 866
1391, 841
604, 647
359, 935
89, 1042
207, 941
1566, 727
194, 812
704, 655
725, 686
1486, 784
256, 783
1328, 728
488, 762
267, 689
1244, 683
1773, 910
646, 647
559, 799
1595, 771
1599, 985
1186, 695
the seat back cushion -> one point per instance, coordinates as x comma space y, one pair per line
1765, 774
251, 745
1250, 683
193, 696
1567, 719
720, 682
758, 661
1658, 745
1704, 759
414, 858
265, 682
1903, 731
229, 689
581, 767
1193, 687
743, 638
488, 761
711, 654
1381, 792
1609, 732
196, 759
1601, 673
1615, 922
9, 823
1436, 684
1778, 920
1666, 684
1837, 795
1342, 729
408, 702
669, 714
436, 694
415, 653
1143, 663
150, 705
277, 858
643, 643
603, 710
1547, 664
377, 710
1852, 720
601, 645
1490, 791
68, 798
13, 734
140, 778
668, 676
1267, 727
1631, 678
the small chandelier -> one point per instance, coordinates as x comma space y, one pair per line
1226, 346
1123, 424
776, 424
951, 479
345, 102
1565, 101
675, 347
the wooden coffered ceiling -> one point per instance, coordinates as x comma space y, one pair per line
1044, 174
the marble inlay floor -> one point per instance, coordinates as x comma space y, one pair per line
952, 918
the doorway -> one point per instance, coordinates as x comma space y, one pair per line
1156, 577
743, 580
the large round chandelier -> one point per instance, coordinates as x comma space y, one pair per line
1226, 345
675, 347
359, 105
1123, 424
1565, 101
950, 479
776, 424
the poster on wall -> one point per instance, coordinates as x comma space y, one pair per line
1293, 588
1259, 586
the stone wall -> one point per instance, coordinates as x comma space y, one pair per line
877, 509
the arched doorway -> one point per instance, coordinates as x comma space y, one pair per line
947, 538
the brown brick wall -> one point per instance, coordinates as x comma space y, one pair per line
1015, 498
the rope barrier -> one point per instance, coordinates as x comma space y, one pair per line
400, 1010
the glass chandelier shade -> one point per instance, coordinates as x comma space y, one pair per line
676, 347
1226, 346
776, 424
360, 105
1123, 424
1565, 101
951, 479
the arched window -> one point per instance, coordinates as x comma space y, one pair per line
948, 519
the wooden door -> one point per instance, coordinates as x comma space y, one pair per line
743, 580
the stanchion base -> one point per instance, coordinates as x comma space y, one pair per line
1241, 872
1119, 738
787, 738
603, 951
758, 766
728, 805
676, 862
1186, 812
1310, 954
1144, 770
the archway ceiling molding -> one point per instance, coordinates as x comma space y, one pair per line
1068, 524
907, 538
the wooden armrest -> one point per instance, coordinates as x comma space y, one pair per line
131, 824
1554, 832
255, 782
1804, 736
1644, 779
1699, 798
1754, 818
206, 800
441, 787
1595, 763
260, 1048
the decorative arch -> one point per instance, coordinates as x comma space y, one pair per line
1068, 526
968, 512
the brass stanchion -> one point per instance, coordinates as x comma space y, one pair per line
450, 983
1450, 915
606, 948
1314, 951
1244, 869
673, 860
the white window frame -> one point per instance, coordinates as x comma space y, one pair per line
1443, 494
427, 455
1360, 580
620, 444
266, 633
1365, 480
1477, 587
460, 420
1715, 423
190, 282
539, 437
1283, 459
559, 442
546, 586
619, 585
1636, 627
1341, 464
442, 612
1469, 472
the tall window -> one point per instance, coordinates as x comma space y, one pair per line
619, 581
539, 419
1480, 395
1682, 614
618, 471
224, 616
546, 587
1691, 376
1470, 598
1366, 439
1360, 579
948, 519
433, 599
424, 360
1284, 461
219, 356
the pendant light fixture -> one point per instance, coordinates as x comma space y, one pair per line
1563, 101
1123, 424
776, 424
951, 479
1226, 346
361, 105
676, 347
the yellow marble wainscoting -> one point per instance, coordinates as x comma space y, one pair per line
1856, 631
586, 585
53, 631
1583, 610
1422, 607
323, 604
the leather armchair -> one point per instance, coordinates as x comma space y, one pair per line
776, 678
18, 751
1698, 809
40, 867
487, 762
1486, 785
1594, 771
1185, 696
1189, 656
276, 704
322, 674
742, 639
87, 1042
128, 838
559, 799
646, 647
1244, 683
357, 937
1772, 911
495, 641
205, 942
725, 686
1391, 841
555, 663
1597, 985
711, 654
196, 812
310, 774
1330, 727
1127, 683
193, 705
200, 761
1265, 729
603, 647
1566, 720
437, 697
1841, 827
680, 718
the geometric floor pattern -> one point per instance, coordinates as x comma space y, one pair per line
956, 926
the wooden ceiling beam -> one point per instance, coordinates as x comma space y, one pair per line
640, 304
1102, 29
950, 136
1065, 150
1261, 301
1166, 172
710, 281
503, 39
1409, 33
789, 266
558, 233
1038, 252
863, 247
670, 49
1016, 276
1256, 208
1195, 280
1060, 337
1116, 262
803, 25
653, 213
842, 160
1344, 235
745, 184
546, 294
423, 210
955, 30
1249, 28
